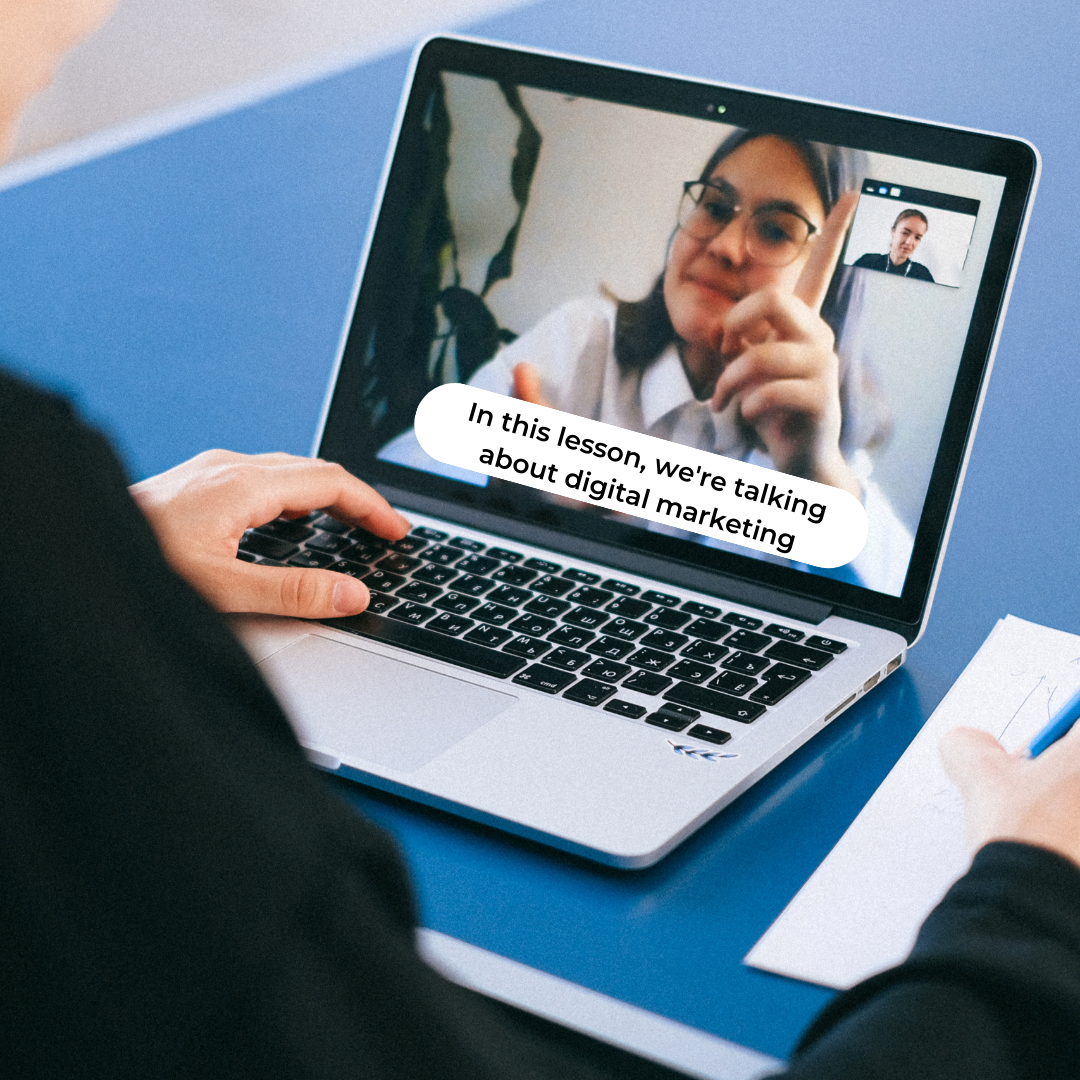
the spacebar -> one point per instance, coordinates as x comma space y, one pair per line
428, 643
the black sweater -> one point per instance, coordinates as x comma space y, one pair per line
182, 895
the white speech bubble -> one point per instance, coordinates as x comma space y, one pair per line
636, 474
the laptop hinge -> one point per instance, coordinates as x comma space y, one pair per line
675, 573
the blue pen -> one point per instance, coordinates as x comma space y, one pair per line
1059, 724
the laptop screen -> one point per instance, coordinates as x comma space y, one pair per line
634, 249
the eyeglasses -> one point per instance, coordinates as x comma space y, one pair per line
774, 235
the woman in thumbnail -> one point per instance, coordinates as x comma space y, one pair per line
734, 349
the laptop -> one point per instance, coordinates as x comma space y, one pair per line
629, 248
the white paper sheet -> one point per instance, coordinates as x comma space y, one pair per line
861, 910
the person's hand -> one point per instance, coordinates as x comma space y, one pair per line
1013, 797
200, 509
527, 386
782, 367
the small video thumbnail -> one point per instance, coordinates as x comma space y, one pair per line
911, 233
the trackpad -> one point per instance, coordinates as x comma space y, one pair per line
365, 707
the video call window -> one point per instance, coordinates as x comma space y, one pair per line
911, 233
542, 219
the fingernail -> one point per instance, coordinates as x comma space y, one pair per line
350, 596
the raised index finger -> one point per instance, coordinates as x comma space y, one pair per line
814, 280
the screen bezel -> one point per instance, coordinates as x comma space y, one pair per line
1013, 159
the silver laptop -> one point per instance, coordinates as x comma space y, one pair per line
633, 248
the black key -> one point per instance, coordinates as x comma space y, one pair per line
705, 651
711, 701
243, 556
747, 622
650, 659
472, 584
790, 653
704, 610
508, 594
669, 620
692, 671
397, 564
412, 613
466, 545
582, 576
663, 598
532, 624
458, 604
607, 670
747, 641
784, 632
328, 543
667, 721
331, 525
380, 603
745, 663
419, 591
586, 618
488, 635
646, 682
364, 553
683, 713
311, 560
435, 575
626, 708
270, 547
623, 587
665, 640
542, 566
428, 534
450, 624
552, 586
568, 659
505, 555
590, 597
611, 648
626, 605
477, 564
283, 529
782, 673
513, 575
542, 677
573, 636
410, 545
589, 692
550, 609
380, 579
626, 629
731, 682
771, 693
346, 566
526, 646
420, 639
444, 556
709, 734
709, 629
826, 643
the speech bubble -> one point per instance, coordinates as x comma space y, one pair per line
650, 478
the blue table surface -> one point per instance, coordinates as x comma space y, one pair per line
190, 291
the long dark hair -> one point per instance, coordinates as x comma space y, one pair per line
643, 328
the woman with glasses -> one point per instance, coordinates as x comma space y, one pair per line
738, 347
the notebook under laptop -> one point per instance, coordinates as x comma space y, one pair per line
554, 665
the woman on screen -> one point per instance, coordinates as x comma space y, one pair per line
738, 349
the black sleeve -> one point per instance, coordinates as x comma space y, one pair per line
920, 272
181, 894
869, 261
991, 990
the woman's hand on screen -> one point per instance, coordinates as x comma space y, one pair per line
783, 368
200, 510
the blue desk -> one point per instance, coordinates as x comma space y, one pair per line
190, 291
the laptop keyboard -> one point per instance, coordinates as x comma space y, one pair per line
556, 628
